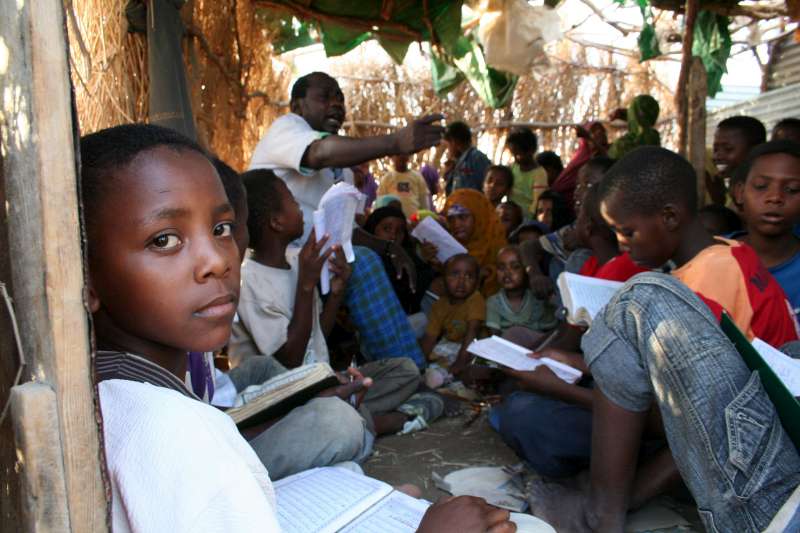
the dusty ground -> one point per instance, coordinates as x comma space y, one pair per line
444, 447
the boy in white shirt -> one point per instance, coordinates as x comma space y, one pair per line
164, 280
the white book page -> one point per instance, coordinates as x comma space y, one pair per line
335, 217
516, 357
587, 293
397, 513
785, 367
324, 500
430, 231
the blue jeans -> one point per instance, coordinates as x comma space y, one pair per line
656, 342
554, 437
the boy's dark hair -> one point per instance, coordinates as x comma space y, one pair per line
561, 213
459, 132
523, 138
112, 149
788, 123
751, 128
505, 171
300, 87
591, 207
232, 183
463, 257
784, 146
263, 200
648, 178
728, 220
550, 159
601, 163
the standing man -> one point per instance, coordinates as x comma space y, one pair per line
304, 149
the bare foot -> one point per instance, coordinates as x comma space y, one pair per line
410, 490
560, 506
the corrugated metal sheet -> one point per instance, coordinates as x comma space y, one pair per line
769, 108
784, 68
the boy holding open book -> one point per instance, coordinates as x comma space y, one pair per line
164, 280
657, 347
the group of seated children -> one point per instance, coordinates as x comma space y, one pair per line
660, 382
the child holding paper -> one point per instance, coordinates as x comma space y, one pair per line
454, 322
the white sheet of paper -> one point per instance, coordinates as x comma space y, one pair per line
516, 357
785, 367
430, 231
324, 500
589, 293
397, 513
335, 217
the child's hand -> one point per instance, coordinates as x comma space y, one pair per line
541, 286
573, 359
428, 251
403, 264
340, 269
466, 514
541, 381
358, 387
310, 261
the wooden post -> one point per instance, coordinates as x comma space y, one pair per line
681, 101
696, 125
47, 279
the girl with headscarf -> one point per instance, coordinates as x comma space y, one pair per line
472, 220
642, 116
592, 142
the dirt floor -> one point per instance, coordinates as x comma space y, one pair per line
451, 444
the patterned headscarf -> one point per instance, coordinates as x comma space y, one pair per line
642, 116
488, 235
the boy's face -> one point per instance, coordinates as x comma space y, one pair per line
529, 234
508, 217
323, 105
391, 229
770, 197
461, 226
510, 270
454, 148
495, 186
461, 278
730, 150
163, 264
648, 238
524, 158
290, 216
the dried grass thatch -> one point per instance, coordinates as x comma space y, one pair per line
239, 86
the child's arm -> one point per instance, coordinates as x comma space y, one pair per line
426, 343
544, 381
462, 360
310, 262
341, 273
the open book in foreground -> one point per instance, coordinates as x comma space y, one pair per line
279, 395
336, 216
516, 357
584, 297
331, 499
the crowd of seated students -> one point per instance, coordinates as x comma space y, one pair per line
240, 263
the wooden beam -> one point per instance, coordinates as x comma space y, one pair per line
38, 146
696, 125
681, 101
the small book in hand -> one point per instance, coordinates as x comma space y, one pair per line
584, 297
279, 395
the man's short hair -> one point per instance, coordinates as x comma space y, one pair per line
523, 139
550, 159
648, 178
107, 151
232, 183
263, 200
463, 257
300, 87
752, 129
601, 163
459, 132
505, 171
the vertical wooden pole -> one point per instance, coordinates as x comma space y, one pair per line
47, 278
681, 100
696, 125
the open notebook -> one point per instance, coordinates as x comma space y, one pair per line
281, 394
331, 499
516, 357
584, 297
